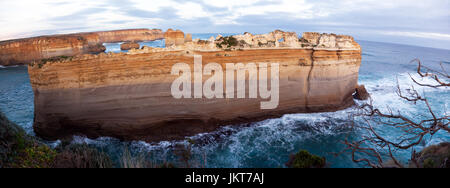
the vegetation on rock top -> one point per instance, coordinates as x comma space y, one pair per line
227, 42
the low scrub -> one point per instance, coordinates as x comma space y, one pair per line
304, 159
19, 150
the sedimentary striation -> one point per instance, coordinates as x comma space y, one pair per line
175, 37
24, 51
128, 95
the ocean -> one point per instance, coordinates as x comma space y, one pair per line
269, 143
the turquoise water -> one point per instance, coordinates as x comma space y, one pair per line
269, 143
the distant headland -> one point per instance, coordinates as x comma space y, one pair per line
24, 51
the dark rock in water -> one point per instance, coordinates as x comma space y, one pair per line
95, 49
361, 93
129, 46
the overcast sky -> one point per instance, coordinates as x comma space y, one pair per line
416, 22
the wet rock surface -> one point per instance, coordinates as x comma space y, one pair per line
361, 93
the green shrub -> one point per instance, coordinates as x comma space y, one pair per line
435, 156
42, 62
81, 156
34, 156
227, 42
303, 159
19, 150
57, 58
303, 40
267, 44
242, 43
429, 163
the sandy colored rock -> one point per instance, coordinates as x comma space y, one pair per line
188, 38
96, 48
128, 35
174, 37
24, 51
128, 95
129, 46
311, 37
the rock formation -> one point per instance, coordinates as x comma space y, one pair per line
188, 38
128, 95
24, 51
174, 37
129, 35
96, 48
361, 93
129, 46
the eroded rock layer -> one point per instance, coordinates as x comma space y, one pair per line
128, 95
24, 51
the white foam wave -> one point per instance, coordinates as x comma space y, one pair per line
384, 96
102, 141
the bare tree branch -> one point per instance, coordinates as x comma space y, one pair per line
375, 145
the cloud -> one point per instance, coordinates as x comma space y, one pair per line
412, 18
428, 35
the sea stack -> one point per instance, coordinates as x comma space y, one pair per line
174, 37
129, 46
129, 95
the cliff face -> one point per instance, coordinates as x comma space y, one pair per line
128, 95
175, 37
24, 51
130, 35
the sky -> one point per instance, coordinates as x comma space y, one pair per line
413, 22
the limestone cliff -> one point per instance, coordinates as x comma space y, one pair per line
175, 37
24, 51
129, 35
128, 95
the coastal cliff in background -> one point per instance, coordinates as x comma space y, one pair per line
24, 51
128, 95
